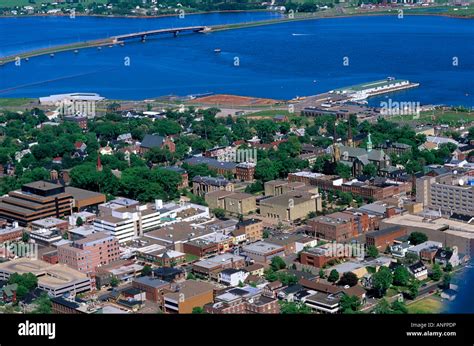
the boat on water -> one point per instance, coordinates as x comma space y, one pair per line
217, 50
51, 55
76, 51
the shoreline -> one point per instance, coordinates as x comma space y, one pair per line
319, 14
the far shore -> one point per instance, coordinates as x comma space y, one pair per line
316, 15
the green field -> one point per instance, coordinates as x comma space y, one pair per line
428, 305
436, 117
15, 102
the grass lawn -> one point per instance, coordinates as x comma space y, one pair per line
190, 258
15, 102
270, 113
428, 305
391, 292
436, 117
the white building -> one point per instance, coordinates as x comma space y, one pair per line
126, 219
232, 277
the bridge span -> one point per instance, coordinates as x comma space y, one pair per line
119, 39
144, 34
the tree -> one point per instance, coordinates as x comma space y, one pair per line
448, 268
372, 251
413, 288
382, 280
416, 238
114, 281
190, 276
446, 280
382, 307
79, 222
294, 308
348, 278
277, 263
349, 304
411, 258
343, 171
43, 305
198, 310
333, 276
146, 270
25, 237
436, 272
401, 276
266, 170
219, 213
399, 307
370, 170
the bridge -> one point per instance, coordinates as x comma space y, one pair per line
120, 39
144, 34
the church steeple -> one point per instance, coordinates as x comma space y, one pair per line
369, 143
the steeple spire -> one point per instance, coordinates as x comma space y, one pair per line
369, 143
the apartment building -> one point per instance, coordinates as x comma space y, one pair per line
85, 255
448, 193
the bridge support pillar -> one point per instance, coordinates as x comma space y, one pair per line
143, 38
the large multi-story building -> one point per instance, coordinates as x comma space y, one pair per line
34, 201
448, 193
252, 228
188, 295
87, 254
290, 206
339, 226
232, 202
127, 219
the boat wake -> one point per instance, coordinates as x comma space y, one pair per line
302, 34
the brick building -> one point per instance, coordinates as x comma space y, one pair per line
86, 254
385, 237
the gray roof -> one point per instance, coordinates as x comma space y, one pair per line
219, 181
149, 281
199, 160
152, 141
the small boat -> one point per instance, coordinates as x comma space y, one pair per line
217, 50
99, 48
110, 46
27, 59
122, 44
51, 55
76, 51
